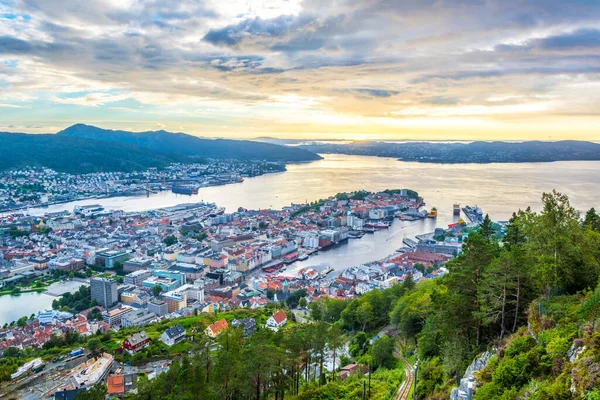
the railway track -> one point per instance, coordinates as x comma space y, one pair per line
404, 389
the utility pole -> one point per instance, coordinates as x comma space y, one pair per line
364, 386
369, 392
415, 379
470, 389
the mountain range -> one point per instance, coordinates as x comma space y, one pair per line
480, 152
84, 148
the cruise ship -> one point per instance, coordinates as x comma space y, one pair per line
378, 224
88, 210
474, 214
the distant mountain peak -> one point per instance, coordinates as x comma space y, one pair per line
193, 146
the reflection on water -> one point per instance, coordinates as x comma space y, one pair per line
14, 307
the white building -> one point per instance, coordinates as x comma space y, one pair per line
173, 335
277, 320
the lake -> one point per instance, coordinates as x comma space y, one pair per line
14, 307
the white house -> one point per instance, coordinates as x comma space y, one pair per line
277, 320
173, 335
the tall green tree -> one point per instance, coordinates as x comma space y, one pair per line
382, 353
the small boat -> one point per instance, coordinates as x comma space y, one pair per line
456, 209
432, 213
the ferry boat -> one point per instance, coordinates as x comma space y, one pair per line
378, 224
355, 234
432, 213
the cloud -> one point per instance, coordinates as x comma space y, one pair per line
3, 105
255, 28
381, 93
213, 63
90, 99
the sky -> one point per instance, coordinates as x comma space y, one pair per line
344, 69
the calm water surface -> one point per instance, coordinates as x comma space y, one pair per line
14, 307
499, 189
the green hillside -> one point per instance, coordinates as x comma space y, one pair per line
188, 145
78, 155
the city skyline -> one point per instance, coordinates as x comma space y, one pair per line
355, 69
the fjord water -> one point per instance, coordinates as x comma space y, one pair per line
499, 189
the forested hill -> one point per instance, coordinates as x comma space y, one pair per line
476, 152
78, 155
527, 297
188, 145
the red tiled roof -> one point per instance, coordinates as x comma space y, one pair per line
279, 316
218, 326
115, 384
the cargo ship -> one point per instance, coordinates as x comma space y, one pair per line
185, 189
456, 209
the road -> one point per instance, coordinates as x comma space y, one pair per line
301, 315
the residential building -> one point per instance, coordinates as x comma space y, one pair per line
108, 258
136, 342
104, 291
114, 317
138, 317
247, 324
216, 328
175, 301
277, 320
351, 369
115, 385
158, 307
137, 263
137, 277
173, 335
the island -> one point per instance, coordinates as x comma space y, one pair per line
479, 152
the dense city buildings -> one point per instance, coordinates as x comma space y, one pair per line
30, 187
157, 265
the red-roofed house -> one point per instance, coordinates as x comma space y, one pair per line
215, 328
277, 320
115, 385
